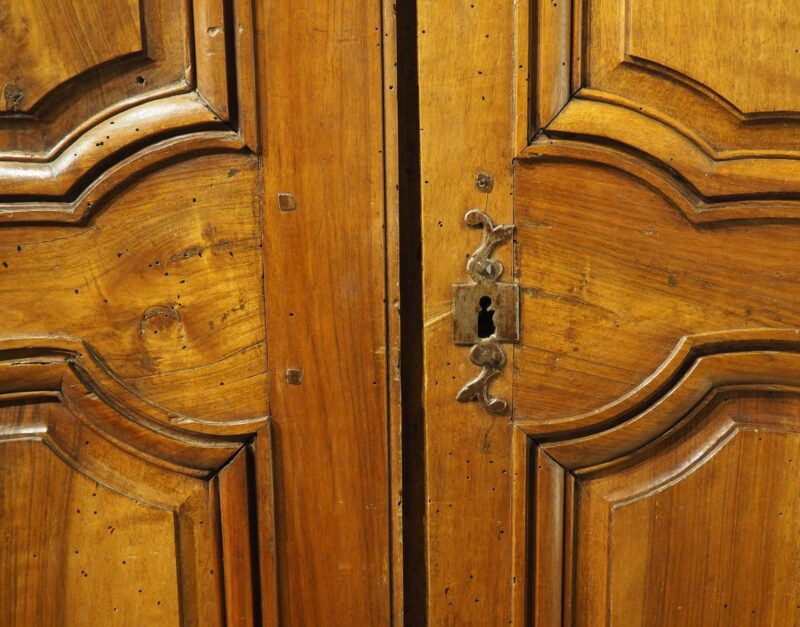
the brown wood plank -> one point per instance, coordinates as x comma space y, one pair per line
467, 126
322, 130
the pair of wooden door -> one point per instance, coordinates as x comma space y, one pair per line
238, 385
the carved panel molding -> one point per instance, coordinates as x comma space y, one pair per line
163, 278
600, 497
618, 291
683, 99
121, 459
172, 70
48, 55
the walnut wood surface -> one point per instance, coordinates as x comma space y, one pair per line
654, 181
56, 45
325, 288
157, 467
467, 126
109, 514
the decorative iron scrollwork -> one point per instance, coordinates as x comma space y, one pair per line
485, 313
480, 266
489, 355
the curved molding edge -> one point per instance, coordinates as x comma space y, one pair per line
119, 142
696, 365
71, 371
710, 94
678, 191
608, 120
88, 201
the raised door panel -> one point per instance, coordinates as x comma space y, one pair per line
705, 90
163, 281
654, 394
693, 525
704, 43
110, 514
141, 232
649, 150
134, 430
105, 536
88, 88
639, 273
637, 222
58, 41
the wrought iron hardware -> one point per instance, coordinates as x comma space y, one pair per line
485, 313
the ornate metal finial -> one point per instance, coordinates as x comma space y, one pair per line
485, 313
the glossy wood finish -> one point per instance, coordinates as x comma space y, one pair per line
719, 519
647, 461
325, 287
147, 284
466, 120
158, 466
71, 63
712, 57
683, 86
60, 44
109, 512
641, 277
674, 530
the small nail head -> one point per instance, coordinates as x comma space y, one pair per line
294, 376
286, 201
484, 182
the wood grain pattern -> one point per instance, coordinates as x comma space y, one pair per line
705, 42
137, 484
714, 517
642, 276
394, 267
322, 131
93, 122
669, 81
695, 491
665, 522
467, 120
695, 202
120, 505
57, 49
57, 41
551, 87
136, 155
172, 270
58, 552
36, 189
654, 390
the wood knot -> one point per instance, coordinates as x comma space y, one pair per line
14, 97
159, 320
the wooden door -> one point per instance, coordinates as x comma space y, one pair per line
647, 153
194, 359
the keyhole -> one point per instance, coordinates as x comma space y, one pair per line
485, 318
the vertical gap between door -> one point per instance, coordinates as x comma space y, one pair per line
411, 328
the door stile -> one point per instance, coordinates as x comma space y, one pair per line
466, 60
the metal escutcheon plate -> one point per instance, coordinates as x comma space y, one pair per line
504, 299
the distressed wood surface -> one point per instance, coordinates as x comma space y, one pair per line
392, 177
147, 283
71, 63
322, 100
466, 126
107, 519
658, 386
653, 431
158, 466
